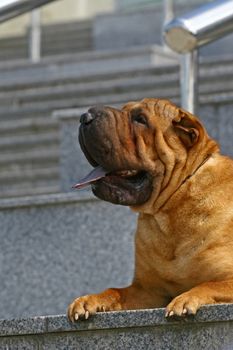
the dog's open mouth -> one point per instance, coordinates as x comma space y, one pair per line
100, 173
125, 187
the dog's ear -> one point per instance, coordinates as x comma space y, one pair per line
187, 128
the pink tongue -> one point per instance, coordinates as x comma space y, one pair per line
93, 176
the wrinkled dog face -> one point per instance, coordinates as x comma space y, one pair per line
124, 144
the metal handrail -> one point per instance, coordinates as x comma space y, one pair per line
187, 33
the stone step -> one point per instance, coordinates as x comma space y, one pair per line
123, 84
21, 52
49, 32
29, 162
144, 83
21, 142
55, 247
72, 37
65, 36
86, 80
75, 41
47, 49
30, 189
29, 178
13, 41
151, 51
67, 79
30, 156
72, 74
75, 26
29, 174
211, 328
40, 108
50, 50
25, 126
19, 66
80, 90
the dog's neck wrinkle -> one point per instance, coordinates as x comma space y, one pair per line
162, 203
193, 161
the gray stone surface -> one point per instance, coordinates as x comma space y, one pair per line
54, 248
217, 118
223, 46
225, 120
210, 329
137, 28
210, 118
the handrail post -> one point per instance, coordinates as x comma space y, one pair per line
35, 37
185, 34
168, 14
168, 10
189, 81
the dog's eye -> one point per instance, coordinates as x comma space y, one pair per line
140, 119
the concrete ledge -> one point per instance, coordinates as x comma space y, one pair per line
211, 328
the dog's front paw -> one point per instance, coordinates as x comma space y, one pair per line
83, 307
187, 304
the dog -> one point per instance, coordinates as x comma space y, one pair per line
158, 159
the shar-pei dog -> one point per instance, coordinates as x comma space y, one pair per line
158, 159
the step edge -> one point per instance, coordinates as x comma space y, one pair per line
113, 320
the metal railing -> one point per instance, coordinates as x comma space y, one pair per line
187, 33
14, 8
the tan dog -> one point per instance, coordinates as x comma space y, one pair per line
158, 159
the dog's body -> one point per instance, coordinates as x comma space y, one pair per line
183, 190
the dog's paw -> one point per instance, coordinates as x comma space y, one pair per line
185, 304
83, 307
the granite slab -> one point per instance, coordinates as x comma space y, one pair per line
211, 329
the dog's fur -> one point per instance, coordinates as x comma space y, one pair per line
184, 238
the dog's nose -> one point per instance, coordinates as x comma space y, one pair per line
86, 118
93, 113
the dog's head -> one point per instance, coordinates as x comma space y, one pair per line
138, 150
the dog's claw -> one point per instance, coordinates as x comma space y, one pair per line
86, 315
169, 313
76, 317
